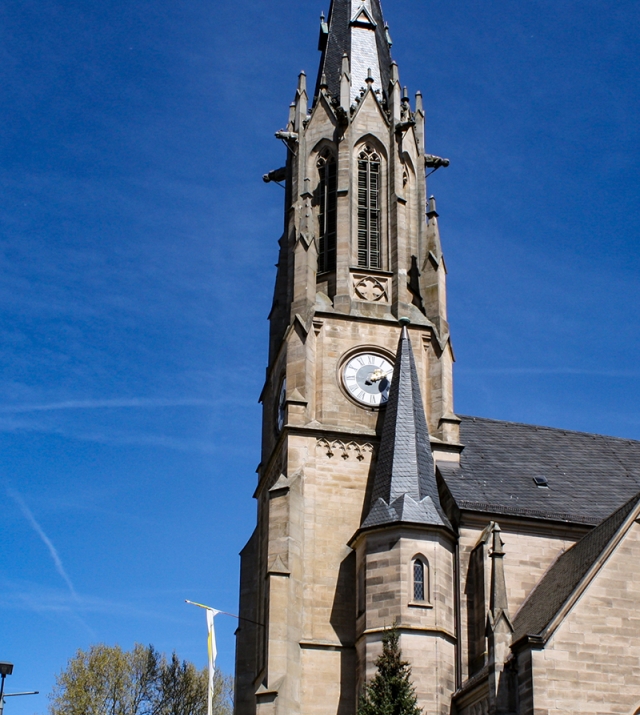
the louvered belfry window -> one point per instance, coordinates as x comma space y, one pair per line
369, 254
418, 581
327, 215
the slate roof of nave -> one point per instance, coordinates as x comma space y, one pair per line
565, 575
589, 475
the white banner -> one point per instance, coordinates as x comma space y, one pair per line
212, 649
213, 652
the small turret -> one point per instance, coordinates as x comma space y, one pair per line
404, 487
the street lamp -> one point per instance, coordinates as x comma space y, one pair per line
7, 669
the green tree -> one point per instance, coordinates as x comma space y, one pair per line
105, 680
390, 692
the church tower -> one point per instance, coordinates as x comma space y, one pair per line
351, 536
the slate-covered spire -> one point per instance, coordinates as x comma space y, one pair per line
404, 487
355, 28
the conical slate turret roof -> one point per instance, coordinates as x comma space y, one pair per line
355, 28
404, 487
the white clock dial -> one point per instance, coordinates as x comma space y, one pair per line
367, 378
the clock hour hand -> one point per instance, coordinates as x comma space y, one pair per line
376, 376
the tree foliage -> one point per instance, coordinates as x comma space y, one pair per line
390, 692
105, 680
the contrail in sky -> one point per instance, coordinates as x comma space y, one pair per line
105, 404
46, 540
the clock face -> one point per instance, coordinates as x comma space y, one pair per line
367, 378
282, 398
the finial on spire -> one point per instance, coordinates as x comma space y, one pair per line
387, 35
324, 33
369, 79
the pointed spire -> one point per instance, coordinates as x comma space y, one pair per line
345, 83
357, 30
419, 119
499, 630
302, 82
434, 246
404, 487
395, 105
498, 604
419, 106
292, 117
301, 101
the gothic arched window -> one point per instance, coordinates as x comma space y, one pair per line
420, 581
327, 214
369, 253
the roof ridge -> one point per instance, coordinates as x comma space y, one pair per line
547, 427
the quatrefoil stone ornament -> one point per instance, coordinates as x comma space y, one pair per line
371, 289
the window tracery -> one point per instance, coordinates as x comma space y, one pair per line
369, 249
327, 213
420, 573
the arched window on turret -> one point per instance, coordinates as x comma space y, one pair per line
420, 580
327, 213
369, 199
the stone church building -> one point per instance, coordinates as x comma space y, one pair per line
507, 555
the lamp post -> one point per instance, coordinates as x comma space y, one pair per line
7, 669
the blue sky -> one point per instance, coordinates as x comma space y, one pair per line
137, 244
